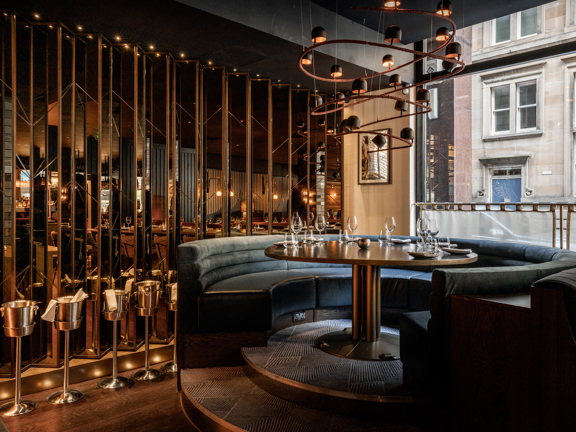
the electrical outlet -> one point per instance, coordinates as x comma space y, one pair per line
299, 316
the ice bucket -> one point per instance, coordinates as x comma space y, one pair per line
148, 294
19, 313
68, 311
170, 289
122, 305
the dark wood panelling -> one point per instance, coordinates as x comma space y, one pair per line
494, 386
187, 184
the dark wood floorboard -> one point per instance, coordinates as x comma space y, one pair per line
144, 407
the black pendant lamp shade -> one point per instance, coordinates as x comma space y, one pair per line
395, 81
444, 8
454, 50
336, 71
337, 175
401, 106
379, 140
393, 34
307, 59
442, 34
407, 134
353, 123
359, 86
320, 146
340, 98
321, 122
388, 61
318, 35
423, 96
300, 124
448, 66
316, 101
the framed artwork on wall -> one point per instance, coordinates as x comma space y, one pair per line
373, 160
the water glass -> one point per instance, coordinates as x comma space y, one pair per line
352, 225
340, 236
431, 245
381, 238
285, 240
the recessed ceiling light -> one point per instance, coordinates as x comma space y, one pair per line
235, 69
257, 75
79, 28
209, 62
151, 47
181, 54
118, 38
37, 16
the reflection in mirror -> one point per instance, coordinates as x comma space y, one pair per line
333, 172
261, 141
215, 186
186, 139
299, 170
280, 190
238, 120
317, 168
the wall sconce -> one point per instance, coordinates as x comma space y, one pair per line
275, 196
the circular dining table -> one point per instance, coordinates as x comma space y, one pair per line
365, 340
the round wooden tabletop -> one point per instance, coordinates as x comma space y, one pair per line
335, 252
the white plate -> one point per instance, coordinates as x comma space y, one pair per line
457, 251
423, 254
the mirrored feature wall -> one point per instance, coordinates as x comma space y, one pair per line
113, 156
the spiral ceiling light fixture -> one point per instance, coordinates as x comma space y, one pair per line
359, 93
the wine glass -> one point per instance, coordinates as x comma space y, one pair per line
390, 225
433, 228
296, 224
128, 221
320, 225
421, 230
352, 225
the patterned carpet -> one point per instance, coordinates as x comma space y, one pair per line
291, 354
233, 399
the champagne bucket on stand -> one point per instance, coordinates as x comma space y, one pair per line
148, 295
122, 305
18, 321
18, 314
68, 313
171, 289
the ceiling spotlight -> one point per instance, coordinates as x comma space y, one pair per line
379, 140
407, 133
423, 96
318, 35
395, 81
391, 3
336, 71
454, 50
359, 86
401, 106
388, 61
393, 34
307, 59
444, 8
442, 34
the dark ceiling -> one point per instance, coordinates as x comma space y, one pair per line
236, 42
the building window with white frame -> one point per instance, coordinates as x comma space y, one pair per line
502, 29
501, 109
526, 105
528, 22
514, 107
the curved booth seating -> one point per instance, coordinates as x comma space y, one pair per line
233, 295
425, 336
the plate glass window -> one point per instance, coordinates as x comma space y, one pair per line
527, 105
502, 29
501, 108
528, 22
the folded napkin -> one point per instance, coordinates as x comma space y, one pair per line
79, 296
397, 240
174, 293
129, 283
50, 311
111, 300
457, 251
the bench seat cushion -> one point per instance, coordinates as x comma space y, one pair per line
252, 302
415, 351
419, 292
334, 286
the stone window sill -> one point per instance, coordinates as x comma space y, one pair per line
513, 136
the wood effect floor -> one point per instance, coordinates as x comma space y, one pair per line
152, 406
